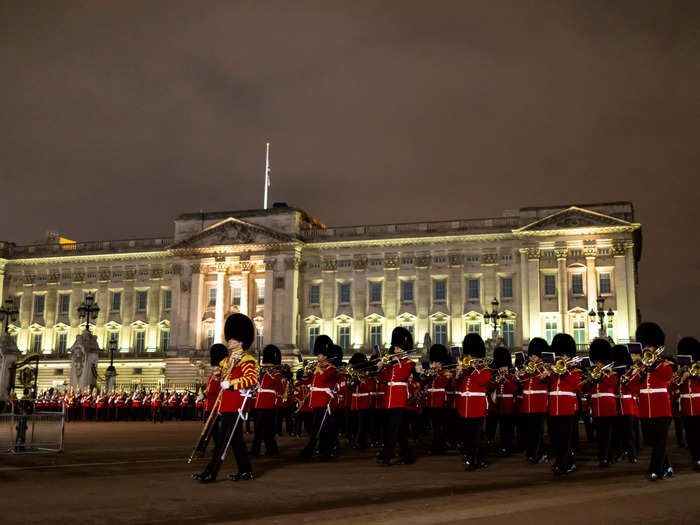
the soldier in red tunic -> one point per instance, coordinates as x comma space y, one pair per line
602, 393
321, 394
689, 386
564, 385
625, 427
654, 399
269, 390
360, 392
533, 406
437, 383
472, 383
395, 373
240, 334
505, 388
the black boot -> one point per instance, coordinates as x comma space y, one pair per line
242, 476
205, 477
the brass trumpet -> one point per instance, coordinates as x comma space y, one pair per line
599, 371
649, 357
561, 365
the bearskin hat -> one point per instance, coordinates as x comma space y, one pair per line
473, 345
689, 346
299, 374
563, 345
217, 353
336, 357
650, 334
621, 356
537, 346
323, 345
402, 338
600, 351
271, 355
358, 358
501, 357
438, 353
240, 328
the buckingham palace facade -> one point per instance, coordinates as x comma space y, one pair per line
166, 298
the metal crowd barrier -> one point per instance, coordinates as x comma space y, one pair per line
31, 433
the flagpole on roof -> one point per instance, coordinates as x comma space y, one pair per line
267, 173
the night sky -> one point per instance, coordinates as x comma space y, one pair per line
117, 117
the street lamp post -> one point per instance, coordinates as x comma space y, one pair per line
88, 310
8, 314
600, 316
111, 372
494, 317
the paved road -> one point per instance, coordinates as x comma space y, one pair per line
136, 473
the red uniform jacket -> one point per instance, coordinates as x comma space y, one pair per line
244, 376
136, 400
562, 393
505, 394
415, 395
437, 391
269, 389
690, 397
342, 388
380, 389
360, 398
397, 375
535, 392
471, 393
212, 390
654, 399
322, 384
147, 400
306, 396
603, 399
629, 399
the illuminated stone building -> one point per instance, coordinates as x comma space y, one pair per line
164, 300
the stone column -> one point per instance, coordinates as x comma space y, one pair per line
219, 308
631, 288
328, 295
359, 301
270, 306
3, 262
25, 311
270, 267
488, 271
197, 283
563, 289
102, 300
51, 310
590, 252
423, 298
525, 300
392, 299
621, 318
456, 297
245, 289
533, 291
76, 299
287, 304
178, 323
153, 310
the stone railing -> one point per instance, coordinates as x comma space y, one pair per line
83, 248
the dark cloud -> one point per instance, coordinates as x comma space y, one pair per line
119, 116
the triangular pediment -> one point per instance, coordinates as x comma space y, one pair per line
233, 231
574, 218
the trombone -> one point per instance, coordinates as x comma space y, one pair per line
649, 357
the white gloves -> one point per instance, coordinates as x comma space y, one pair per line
225, 385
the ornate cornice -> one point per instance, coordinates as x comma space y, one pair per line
392, 262
533, 254
561, 253
94, 258
619, 249
330, 264
489, 259
245, 266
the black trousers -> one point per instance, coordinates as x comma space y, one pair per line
678, 427
506, 431
692, 435
438, 421
265, 428
228, 420
490, 426
533, 425
657, 433
625, 435
358, 427
604, 431
324, 432
561, 431
472, 427
396, 431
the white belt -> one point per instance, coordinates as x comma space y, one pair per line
317, 389
436, 390
365, 394
504, 395
267, 391
530, 392
602, 394
377, 393
689, 396
626, 396
562, 393
654, 391
397, 383
471, 394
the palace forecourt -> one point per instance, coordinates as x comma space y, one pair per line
163, 301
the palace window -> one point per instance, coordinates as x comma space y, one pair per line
140, 341
63, 303
579, 331
577, 284
36, 342
440, 333
473, 289
439, 289
610, 328
259, 337
439, 259
236, 293
39, 301
210, 336
407, 291
141, 300
472, 258
343, 293
474, 327
508, 329
167, 299
605, 286
550, 330
261, 292
212, 297
116, 303
314, 332
375, 292
375, 335
164, 339
506, 287
345, 264
315, 294
507, 258
113, 338
550, 284
61, 343
344, 337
